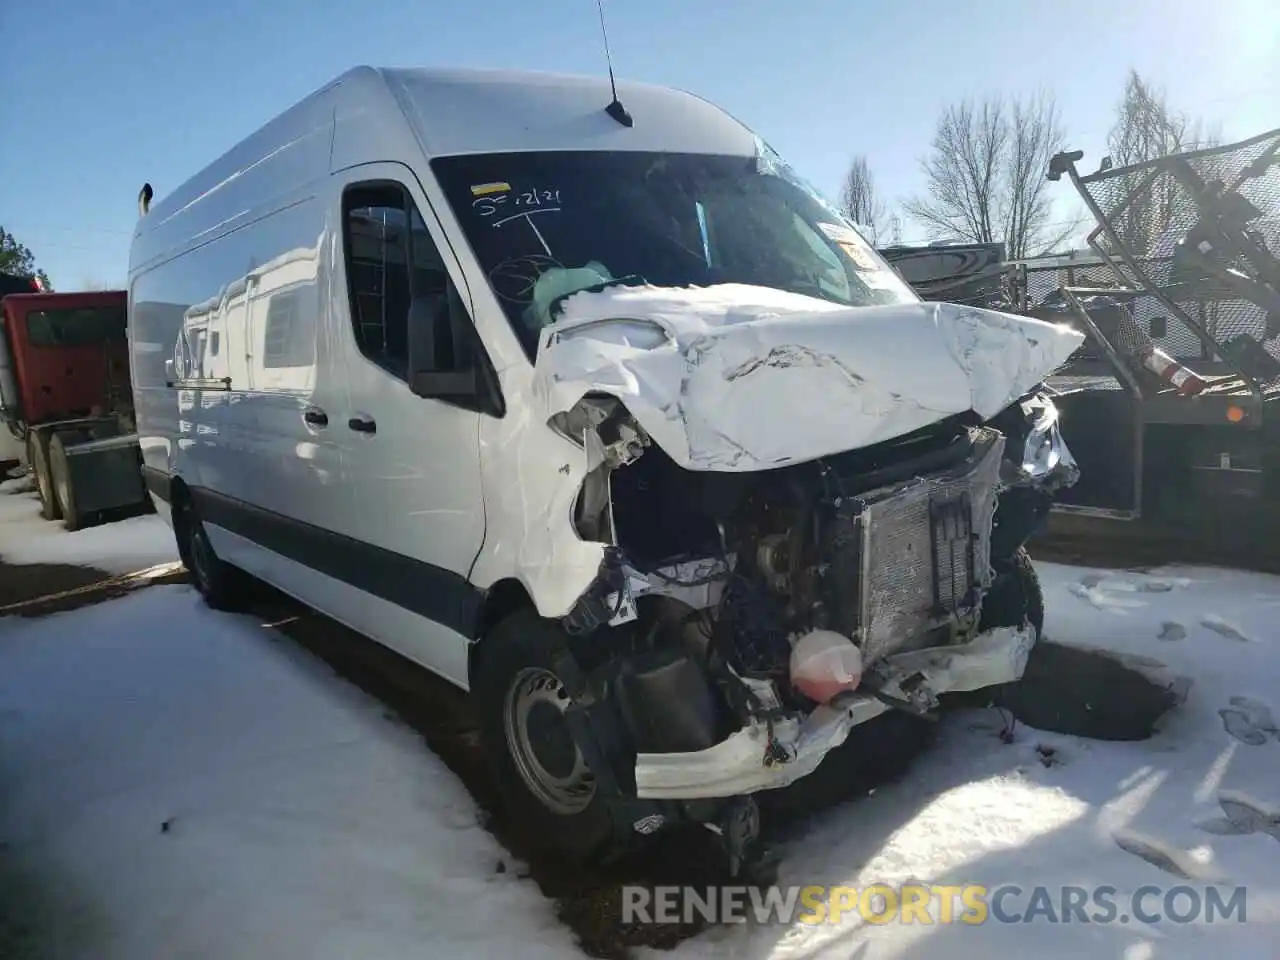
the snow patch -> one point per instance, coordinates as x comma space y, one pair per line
1224, 628
124, 546
211, 793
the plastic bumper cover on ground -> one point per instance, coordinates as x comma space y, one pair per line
737, 765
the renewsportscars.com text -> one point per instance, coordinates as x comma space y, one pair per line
934, 904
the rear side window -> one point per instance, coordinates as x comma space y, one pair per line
76, 327
287, 341
390, 260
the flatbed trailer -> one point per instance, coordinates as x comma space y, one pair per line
1179, 290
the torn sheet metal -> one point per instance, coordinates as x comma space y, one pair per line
737, 378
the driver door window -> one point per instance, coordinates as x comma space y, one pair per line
391, 260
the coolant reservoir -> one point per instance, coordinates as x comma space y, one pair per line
825, 663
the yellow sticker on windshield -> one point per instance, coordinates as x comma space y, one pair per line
484, 189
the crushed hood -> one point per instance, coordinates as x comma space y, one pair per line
736, 378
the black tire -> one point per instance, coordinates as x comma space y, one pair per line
221, 585
63, 489
38, 458
519, 652
1016, 597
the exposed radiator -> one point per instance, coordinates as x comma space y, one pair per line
915, 556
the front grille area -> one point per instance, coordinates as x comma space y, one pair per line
906, 558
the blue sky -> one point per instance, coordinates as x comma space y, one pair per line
97, 100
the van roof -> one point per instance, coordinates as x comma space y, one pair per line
464, 111
370, 114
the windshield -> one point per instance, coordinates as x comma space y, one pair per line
75, 327
546, 224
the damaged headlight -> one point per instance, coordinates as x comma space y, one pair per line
1044, 452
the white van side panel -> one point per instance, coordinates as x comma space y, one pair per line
387, 623
226, 283
240, 276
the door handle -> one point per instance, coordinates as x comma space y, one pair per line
363, 424
316, 417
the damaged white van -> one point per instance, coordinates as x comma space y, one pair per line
586, 403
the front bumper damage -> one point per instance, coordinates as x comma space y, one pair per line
767, 756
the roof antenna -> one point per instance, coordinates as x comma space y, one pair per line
615, 109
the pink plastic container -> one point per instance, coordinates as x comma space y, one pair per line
825, 664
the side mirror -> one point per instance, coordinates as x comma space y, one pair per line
474, 386
460, 385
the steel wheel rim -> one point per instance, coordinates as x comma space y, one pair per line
42, 477
532, 689
64, 495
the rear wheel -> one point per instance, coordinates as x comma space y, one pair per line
543, 781
63, 491
222, 585
38, 458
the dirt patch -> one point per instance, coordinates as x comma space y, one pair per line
39, 589
1093, 693
20, 583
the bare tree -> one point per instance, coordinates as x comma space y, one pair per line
894, 231
985, 173
859, 201
1146, 128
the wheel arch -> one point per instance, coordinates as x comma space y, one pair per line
179, 494
501, 600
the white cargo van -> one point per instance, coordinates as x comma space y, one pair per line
590, 406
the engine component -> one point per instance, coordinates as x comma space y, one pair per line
751, 630
668, 703
898, 557
773, 558
825, 664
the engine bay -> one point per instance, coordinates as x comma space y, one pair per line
712, 579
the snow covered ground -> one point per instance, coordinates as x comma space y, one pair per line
125, 546
212, 791
176, 782
978, 811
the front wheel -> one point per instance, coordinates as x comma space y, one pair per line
544, 782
